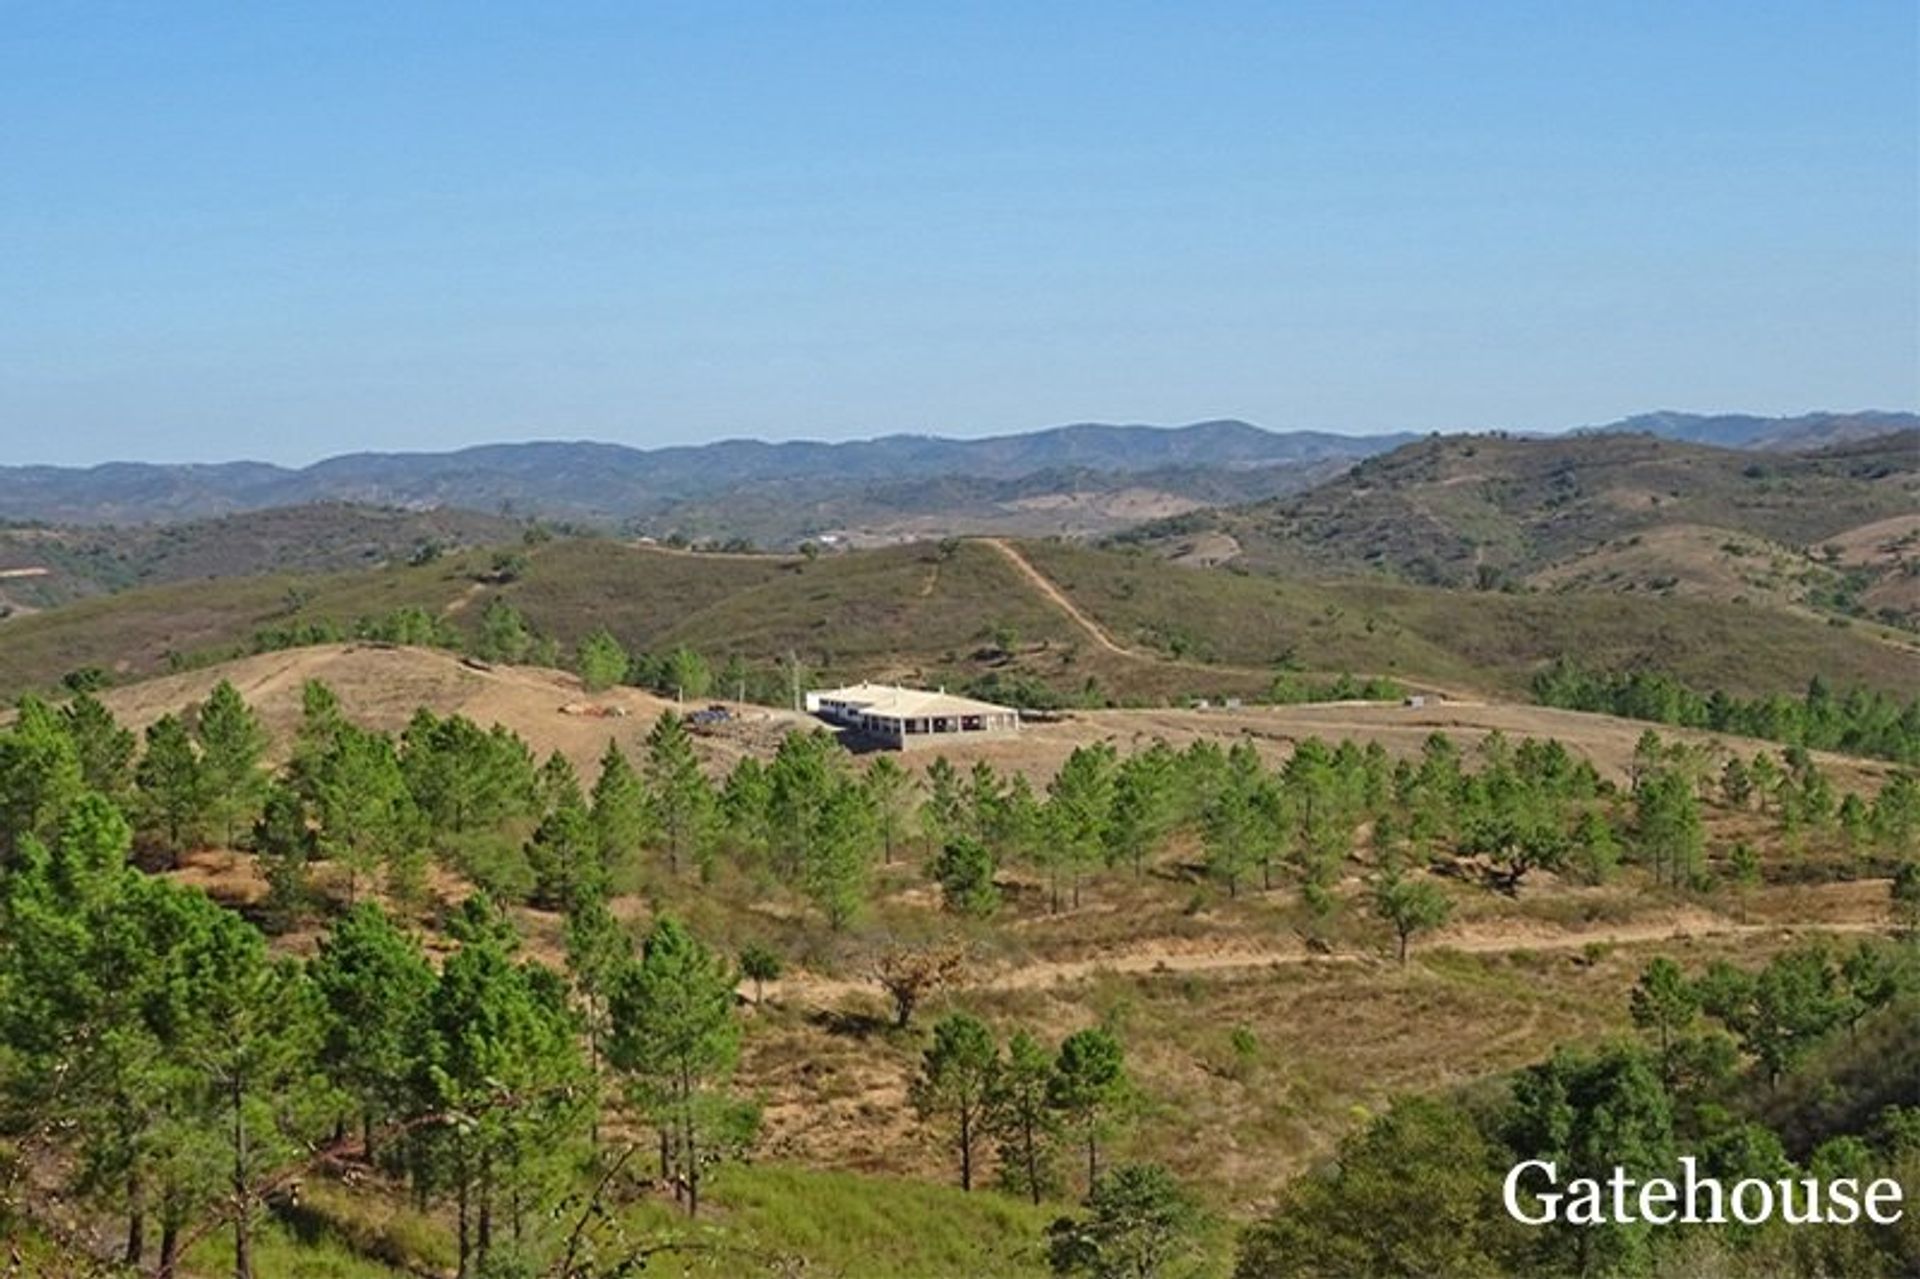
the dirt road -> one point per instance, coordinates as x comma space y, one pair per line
1169, 958
1044, 584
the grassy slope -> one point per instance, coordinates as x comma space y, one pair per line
758, 1220
913, 611
1473, 639
869, 606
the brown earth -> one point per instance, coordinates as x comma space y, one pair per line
381, 687
1882, 542
1274, 730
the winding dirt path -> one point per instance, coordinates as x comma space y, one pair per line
1104, 638
1044, 584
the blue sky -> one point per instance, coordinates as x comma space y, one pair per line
284, 231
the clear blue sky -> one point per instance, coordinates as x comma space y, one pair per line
282, 231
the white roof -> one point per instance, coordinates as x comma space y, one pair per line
894, 702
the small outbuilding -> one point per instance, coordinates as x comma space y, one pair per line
909, 717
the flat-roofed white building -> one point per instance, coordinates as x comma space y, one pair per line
905, 717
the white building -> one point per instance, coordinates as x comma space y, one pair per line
904, 717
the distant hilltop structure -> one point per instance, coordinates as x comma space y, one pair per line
907, 717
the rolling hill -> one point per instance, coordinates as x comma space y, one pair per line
1609, 513
960, 611
43, 566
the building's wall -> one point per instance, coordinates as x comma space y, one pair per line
921, 741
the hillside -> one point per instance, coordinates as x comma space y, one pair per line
1239, 1010
1058, 501
1612, 513
41, 566
940, 613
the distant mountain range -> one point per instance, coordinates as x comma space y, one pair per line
1771, 434
1069, 479
612, 482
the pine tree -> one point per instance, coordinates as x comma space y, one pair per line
956, 1083
504, 634
40, 775
1139, 1222
250, 1024
465, 778
745, 803
557, 786
688, 675
602, 661
889, 791
1896, 815
682, 799
1090, 1089
1230, 828
1664, 1002
759, 965
1143, 801
1079, 808
965, 873
1589, 1115
364, 810
82, 959
598, 950
565, 859
375, 987
838, 861
105, 749
1023, 1120
286, 845
1668, 826
620, 818
676, 1040
232, 744
1905, 891
173, 785
940, 811
504, 1059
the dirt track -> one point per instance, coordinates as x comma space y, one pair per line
1160, 956
1058, 598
